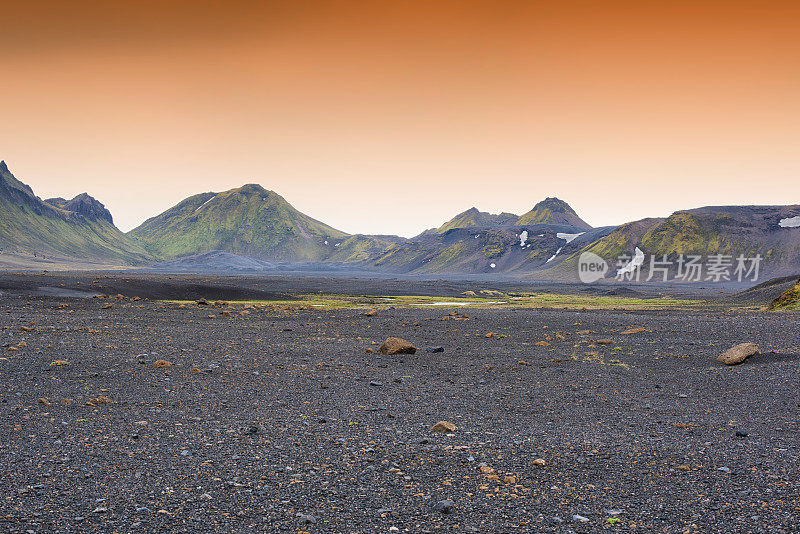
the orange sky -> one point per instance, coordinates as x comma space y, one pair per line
390, 117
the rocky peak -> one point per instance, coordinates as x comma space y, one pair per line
89, 207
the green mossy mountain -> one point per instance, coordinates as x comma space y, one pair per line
248, 221
552, 211
727, 230
80, 228
549, 211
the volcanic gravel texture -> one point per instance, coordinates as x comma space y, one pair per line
278, 420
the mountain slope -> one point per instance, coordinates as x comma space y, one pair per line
552, 211
80, 229
248, 220
790, 300
768, 231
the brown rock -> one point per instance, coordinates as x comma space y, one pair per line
738, 353
98, 401
542, 344
162, 364
396, 345
371, 313
633, 330
604, 342
539, 462
443, 427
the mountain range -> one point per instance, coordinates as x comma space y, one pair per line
252, 228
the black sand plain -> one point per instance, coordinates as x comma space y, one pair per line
276, 419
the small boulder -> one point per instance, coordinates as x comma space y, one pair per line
162, 364
443, 427
738, 353
444, 507
434, 349
396, 345
633, 330
371, 313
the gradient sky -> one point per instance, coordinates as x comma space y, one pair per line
390, 117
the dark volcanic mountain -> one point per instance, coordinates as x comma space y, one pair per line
479, 242
248, 221
78, 229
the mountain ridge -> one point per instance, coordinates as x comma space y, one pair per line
35, 228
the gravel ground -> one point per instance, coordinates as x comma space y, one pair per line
278, 420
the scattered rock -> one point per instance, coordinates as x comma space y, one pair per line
604, 342
444, 507
396, 345
580, 519
443, 427
202, 302
633, 330
162, 364
539, 462
45, 402
306, 519
371, 313
434, 349
542, 344
738, 353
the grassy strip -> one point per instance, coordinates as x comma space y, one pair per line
532, 300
